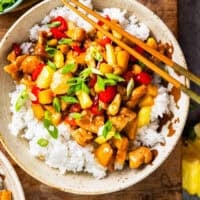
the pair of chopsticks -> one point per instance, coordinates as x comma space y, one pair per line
74, 4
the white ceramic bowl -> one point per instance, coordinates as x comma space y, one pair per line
83, 183
11, 180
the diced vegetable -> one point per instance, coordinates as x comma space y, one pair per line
45, 96
104, 154
123, 59
151, 42
143, 78
59, 59
114, 106
144, 116
21, 100
105, 68
43, 142
59, 84
137, 69
84, 99
146, 101
152, 90
110, 55
108, 94
38, 111
45, 77
101, 139
62, 23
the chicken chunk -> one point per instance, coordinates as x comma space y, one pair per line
30, 63
81, 136
142, 155
121, 120
136, 95
90, 123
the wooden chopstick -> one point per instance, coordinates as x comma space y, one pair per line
178, 68
133, 52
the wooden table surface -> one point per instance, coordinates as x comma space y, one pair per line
163, 184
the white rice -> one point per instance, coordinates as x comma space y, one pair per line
130, 24
64, 153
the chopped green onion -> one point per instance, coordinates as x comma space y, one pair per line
106, 128
117, 136
50, 50
86, 73
53, 131
96, 54
69, 99
110, 82
56, 104
21, 100
68, 68
75, 115
43, 142
67, 41
96, 71
100, 83
54, 24
114, 77
52, 65
129, 87
47, 115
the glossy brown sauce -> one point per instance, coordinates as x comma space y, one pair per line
164, 120
176, 93
171, 130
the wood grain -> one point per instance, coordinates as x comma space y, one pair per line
163, 184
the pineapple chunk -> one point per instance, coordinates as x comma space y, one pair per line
110, 55
144, 116
59, 82
146, 101
101, 139
38, 111
191, 167
104, 154
84, 99
59, 59
45, 96
44, 79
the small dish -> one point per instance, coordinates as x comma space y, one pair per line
11, 181
12, 7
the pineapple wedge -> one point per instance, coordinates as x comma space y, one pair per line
45, 77
144, 116
191, 167
59, 83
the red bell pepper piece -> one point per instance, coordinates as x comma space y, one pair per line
143, 78
37, 71
108, 94
63, 23
100, 23
128, 75
92, 81
75, 108
35, 91
78, 49
57, 34
105, 40
17, 49
95, 110
70, 121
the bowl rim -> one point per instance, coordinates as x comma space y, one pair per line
77, 191
10, 8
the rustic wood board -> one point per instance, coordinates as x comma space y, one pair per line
163, 184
